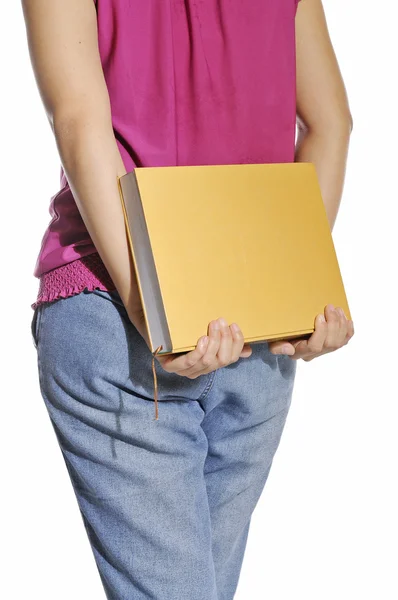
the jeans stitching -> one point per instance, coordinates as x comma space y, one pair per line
209, 385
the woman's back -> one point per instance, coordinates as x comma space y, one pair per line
189, 82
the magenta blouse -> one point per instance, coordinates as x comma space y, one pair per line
190, 82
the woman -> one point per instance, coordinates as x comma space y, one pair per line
167, 503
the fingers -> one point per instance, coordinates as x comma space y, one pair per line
316, 341
337, 328
225, 344
350, 331
332, 330
231, 346
335, 333
185, 360
225, 350
214, 331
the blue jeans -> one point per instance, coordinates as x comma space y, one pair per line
166, 503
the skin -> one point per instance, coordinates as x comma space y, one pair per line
63, 47
324, 127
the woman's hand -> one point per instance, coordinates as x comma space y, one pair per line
332, 331
222, 346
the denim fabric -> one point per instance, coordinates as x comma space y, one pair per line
166, 503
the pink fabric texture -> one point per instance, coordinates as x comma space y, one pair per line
190, 82
87, 272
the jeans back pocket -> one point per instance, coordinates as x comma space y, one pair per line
35, 325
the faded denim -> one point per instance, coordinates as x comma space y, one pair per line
166, 503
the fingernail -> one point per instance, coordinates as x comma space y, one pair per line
222, 322
235, 327
285, 349
322, 319
216, 325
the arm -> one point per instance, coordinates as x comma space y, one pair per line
323, 115
325, 124
63, 46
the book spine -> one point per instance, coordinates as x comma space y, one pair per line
145, 268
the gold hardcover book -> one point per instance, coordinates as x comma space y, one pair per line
248, 242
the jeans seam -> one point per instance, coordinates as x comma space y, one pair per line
208, 386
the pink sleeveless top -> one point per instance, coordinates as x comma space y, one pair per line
190, 82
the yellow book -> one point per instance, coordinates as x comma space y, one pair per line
248, 242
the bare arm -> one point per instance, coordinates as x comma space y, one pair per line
325, 125
63, 46
324, 117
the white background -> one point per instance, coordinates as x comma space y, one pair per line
326, 524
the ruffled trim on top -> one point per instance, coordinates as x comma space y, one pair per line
71, 279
